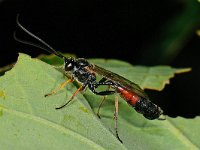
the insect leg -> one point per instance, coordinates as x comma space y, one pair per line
61, 86
116, 118
101, 81
101, 103
75, 93
93, 87
103, 93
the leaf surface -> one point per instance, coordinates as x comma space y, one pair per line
28, 120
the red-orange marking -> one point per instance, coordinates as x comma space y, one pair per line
129, 96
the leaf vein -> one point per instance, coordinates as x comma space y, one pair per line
55, 126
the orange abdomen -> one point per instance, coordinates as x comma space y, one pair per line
129, 96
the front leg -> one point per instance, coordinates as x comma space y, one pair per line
61, 86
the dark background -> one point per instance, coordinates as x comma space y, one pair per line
140, 32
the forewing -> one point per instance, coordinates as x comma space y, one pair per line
125, 83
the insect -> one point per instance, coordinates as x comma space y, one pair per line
85, 73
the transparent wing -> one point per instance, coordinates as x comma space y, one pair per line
125, 83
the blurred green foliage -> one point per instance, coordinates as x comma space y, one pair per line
173, 34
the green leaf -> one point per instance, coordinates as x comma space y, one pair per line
50, 59
28, 120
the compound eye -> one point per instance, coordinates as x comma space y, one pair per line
69, 67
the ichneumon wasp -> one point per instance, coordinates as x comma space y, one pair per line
81, 71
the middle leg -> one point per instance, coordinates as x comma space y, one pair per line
94, 86
75, 93
101, 103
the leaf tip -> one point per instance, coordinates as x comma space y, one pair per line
183, 70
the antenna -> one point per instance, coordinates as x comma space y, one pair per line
50, 49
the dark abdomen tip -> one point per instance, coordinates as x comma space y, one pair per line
148, 109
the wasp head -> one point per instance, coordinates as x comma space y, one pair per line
69, 64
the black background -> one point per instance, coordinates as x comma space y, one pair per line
122, 29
